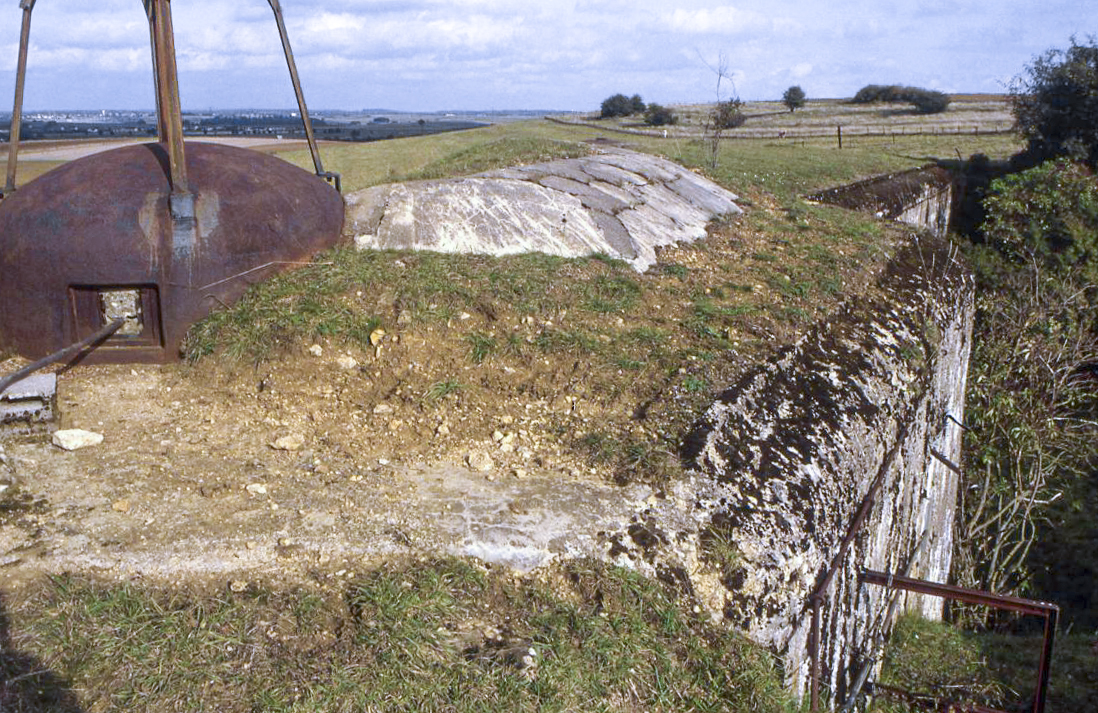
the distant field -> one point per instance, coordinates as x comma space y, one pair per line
968, 114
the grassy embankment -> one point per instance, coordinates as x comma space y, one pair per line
396, 638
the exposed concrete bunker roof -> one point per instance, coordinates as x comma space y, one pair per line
618, 202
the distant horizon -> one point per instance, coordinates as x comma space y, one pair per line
428, 112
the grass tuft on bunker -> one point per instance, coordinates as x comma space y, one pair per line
440, 634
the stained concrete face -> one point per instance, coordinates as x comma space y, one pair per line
920, 197
618, 203
783, 460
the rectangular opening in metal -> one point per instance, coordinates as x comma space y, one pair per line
95, 306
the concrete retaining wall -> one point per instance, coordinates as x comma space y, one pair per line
921, 197
782, 461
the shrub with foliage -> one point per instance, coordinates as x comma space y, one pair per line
621, 105
1031, 408
926, 101
657, 115
1055, 103
729, 114
794, 98
1048, 214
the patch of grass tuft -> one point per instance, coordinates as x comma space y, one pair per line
407, 636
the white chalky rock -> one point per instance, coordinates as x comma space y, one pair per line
75, 439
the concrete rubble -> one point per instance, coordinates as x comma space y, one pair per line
29, 407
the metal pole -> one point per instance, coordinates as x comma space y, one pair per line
276, 6
17, 112
169, 111
1043, 671
161, 126
814, 652
93, 341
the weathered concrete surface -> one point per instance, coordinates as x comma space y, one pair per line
29, 406
782, 461
618, 202
922, 197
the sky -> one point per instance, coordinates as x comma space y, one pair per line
438, 55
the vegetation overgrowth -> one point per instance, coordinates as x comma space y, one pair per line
926, 101
606, 639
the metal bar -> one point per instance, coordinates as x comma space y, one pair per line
276, 6
161, 126
17, 111
1044, 668
817, 596
946, 461
949, 591
169, 111
814, 652
93, 341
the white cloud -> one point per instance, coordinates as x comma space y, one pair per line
722, 20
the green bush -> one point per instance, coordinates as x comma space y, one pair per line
621, 105
729, 114
1048, 213
1056, 104
659, 116
926, 101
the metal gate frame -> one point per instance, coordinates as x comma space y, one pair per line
1050, 612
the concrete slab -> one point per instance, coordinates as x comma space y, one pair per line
620, 203
29, 407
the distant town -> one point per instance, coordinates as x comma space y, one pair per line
366, 125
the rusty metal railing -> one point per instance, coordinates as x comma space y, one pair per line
1050, 612
819, 594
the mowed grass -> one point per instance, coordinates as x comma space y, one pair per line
435, 635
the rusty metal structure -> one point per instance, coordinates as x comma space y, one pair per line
895, 583
155, 234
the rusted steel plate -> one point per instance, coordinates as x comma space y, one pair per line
75, 237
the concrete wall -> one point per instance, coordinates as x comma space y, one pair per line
781, 462
921, 197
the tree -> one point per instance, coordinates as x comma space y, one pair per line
794, 98
729, 114
657, 115
1055, 104
926, 101
636, 104
1031, 406
620, 105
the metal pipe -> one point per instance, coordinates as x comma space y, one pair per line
161, 127
276, 6
961, 594
20, 81
169, 110
93, 341
814, 652
1044, 669
820, 592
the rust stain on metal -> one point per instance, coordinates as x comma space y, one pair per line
104, 223
156, 234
